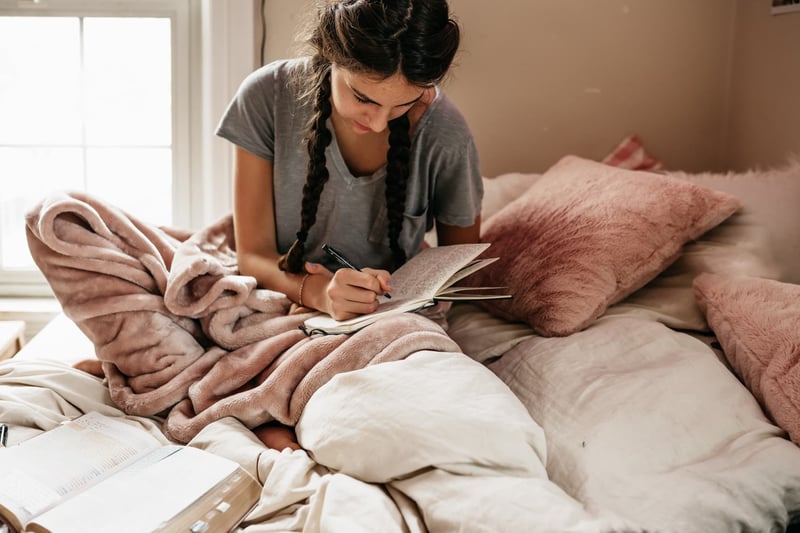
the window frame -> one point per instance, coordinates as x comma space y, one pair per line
213, 48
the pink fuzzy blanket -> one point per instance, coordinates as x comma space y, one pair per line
180, 333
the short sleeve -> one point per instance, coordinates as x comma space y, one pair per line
459, 187
249, 120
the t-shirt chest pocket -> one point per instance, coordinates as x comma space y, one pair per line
411, 234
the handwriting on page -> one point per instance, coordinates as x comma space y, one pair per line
426, 272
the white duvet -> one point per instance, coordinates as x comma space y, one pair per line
626, 426
432, 443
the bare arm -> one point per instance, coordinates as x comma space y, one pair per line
343, 295
457, 235
254, 223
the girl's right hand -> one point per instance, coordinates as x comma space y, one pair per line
349, 293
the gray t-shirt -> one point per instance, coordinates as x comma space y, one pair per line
268, 118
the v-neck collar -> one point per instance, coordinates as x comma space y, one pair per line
338, 159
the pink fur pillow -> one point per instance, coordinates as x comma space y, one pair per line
756, 322
586, 235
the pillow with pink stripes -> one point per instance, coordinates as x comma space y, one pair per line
630, 153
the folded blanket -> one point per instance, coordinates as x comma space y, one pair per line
181, 333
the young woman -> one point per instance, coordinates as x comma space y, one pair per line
355, 146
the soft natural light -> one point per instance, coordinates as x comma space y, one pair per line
86, 103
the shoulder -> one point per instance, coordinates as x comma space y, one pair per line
443, 115
443, 124
280, 72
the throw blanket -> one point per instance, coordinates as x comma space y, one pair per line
181, 333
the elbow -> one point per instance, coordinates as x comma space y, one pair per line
248, 264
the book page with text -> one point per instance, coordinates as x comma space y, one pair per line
41, 472
415, 285
425, 273
146, 495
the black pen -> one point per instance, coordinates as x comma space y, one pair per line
343, 261
3, 435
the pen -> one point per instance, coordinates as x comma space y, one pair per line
3, 435
343, 261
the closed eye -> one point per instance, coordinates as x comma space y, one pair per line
365, 100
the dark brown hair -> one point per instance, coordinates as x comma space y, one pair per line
415, 38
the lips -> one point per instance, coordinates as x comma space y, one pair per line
360, 127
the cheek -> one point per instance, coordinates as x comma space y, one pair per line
342, 105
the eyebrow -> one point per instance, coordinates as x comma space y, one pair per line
370, 100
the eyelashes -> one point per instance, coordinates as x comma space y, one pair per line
363, 100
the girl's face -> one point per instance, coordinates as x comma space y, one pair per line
368, 104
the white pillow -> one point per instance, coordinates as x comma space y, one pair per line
761, 240
501, 190
481, 335
770, 212
646, 422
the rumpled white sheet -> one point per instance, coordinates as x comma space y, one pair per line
431, 443
445, 432
647, 422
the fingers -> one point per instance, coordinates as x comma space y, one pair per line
384, 280
353, 293
350, 292
356, 278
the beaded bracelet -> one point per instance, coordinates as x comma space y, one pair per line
300, 291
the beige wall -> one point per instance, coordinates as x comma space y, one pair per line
764, 126
282, 19
537, 79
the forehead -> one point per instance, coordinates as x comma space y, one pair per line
393, 90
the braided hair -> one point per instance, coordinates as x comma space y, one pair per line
414, 38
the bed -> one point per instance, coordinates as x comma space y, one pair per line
645, 376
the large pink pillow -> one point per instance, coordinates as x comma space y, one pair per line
586, 235
757, 323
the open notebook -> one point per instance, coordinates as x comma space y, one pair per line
426, 278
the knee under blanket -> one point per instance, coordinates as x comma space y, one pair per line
180, 333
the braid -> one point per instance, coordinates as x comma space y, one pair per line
416, 39
318, 139
396, 180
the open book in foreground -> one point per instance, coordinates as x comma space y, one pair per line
426, 278
100, 473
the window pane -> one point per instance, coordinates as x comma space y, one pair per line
28, 173
138, 180
39, 80
85, 104
128, 81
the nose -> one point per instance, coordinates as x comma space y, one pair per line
378, 120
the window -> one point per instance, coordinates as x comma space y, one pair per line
117, 99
